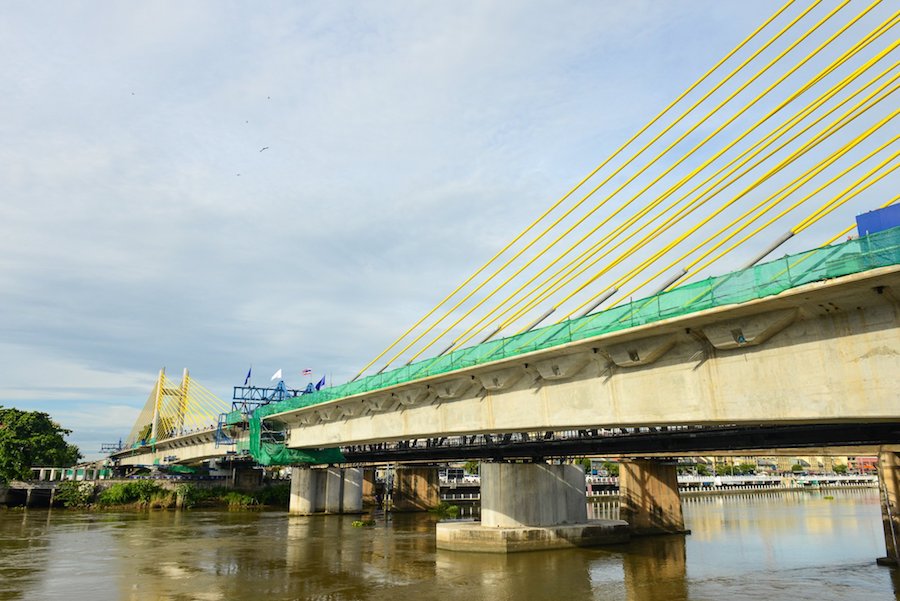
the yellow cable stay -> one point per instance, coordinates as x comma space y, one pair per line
684, 135
784, 191
585, 179
555, 286
845, 195
839, 200
671, 222
558, 279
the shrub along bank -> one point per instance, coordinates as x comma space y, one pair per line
148, 494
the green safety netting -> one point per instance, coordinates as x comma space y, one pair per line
181, 469
268, 451
867, 252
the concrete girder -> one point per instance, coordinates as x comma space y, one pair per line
501, 379
378, 403
353, 409
415, 395
640, 352
834, 366
453, 389
564, 366
748, 331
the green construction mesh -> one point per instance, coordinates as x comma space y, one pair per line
276, 453
233, 417
868, 252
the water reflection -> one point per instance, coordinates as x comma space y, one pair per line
777, 546
558, 575
23, 544
656, 568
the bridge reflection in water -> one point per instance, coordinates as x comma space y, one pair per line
776, 545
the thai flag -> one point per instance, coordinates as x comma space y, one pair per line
307, 372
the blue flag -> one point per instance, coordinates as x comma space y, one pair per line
321, 383
247, 379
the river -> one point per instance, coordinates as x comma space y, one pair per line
768, 547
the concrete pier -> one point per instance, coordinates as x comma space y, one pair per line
889, 485
416, 489
368, 486
529, 507
331, 490
648, 497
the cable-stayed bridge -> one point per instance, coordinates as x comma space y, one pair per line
604, 312
796, 123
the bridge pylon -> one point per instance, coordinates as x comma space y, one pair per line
174, 409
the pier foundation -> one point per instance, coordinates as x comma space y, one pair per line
528, 507
889, 488
416, 489
330, 490
648, 497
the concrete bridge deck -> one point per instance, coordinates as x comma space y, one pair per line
824, 352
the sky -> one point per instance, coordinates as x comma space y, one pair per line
289, 185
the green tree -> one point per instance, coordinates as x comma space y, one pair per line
840, 468
702, 470
611, 468
585, 464
31, 438
471, 466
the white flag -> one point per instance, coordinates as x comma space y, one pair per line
277, 375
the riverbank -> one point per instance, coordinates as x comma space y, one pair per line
136, 495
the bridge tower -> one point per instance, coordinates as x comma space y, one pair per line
183, 400
158, 392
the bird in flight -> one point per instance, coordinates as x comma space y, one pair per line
263, 148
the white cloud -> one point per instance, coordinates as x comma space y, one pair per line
407, 142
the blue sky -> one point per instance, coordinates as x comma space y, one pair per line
142, 225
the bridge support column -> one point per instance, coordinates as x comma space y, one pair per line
416, 489
368, 486
351, 496
303, 491
530, 506
331, 490
648, 497
889, 483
